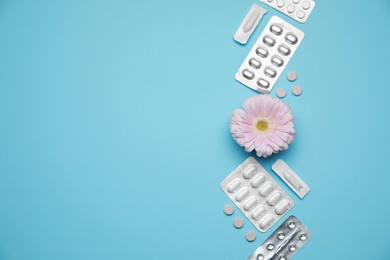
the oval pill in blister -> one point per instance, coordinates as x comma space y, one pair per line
250, 203
248, 74
291, 38
274, 198
277, 61
270, 72
290, 9
284, 50
280, 3
276, 29
282, 257
306, 5
242, 194
282, 207
266, 221
301, 14
260, 257
262, 83
258, 180
255, 63
266, 189
232, 187
258, 212
262, 52
249, 171
269, 41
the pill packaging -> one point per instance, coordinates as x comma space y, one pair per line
270, 55
257, 194
285, 242
290, 178
249, 24
299, 10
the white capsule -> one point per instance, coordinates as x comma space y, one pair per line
262, 83
248, 74
291, 38
268, 40
242, 194
274, 198
258, 212
250, 203
266, 221
266, 189
233, 186
282, 207
250, 171
258, 180
270, 72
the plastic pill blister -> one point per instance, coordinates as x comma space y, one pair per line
299, 10
249, 24
257, 194
290, 178
285, 242
270, 55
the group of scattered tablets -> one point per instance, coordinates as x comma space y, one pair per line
296, 90
239, 223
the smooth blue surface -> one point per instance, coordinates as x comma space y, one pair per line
114, 129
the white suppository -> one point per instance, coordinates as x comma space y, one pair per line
249, 24
299, 10
270, 55
290, 178
257, 194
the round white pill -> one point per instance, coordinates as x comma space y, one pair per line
238, 223
301, 14
280, 3
306, 5
297, 90
290, 9
281, 92
292, 76
250, 236
296, 1
228, 209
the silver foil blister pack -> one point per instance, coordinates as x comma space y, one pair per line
257, 194
270, 55
285, 242
299, 10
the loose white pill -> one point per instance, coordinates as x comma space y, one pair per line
292, 76
250, 236
297, 90
228, 209
281, 92
238, 223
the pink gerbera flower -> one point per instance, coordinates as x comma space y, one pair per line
265, 125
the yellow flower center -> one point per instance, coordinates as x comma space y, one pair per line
262, 125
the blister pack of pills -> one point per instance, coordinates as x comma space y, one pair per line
285, 242
270, 55
290, 178
257, 194
299, 10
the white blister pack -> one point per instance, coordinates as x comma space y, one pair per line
290, 178
285, 242
270, 55
257, 194
299, 10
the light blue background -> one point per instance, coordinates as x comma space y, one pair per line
114, 129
